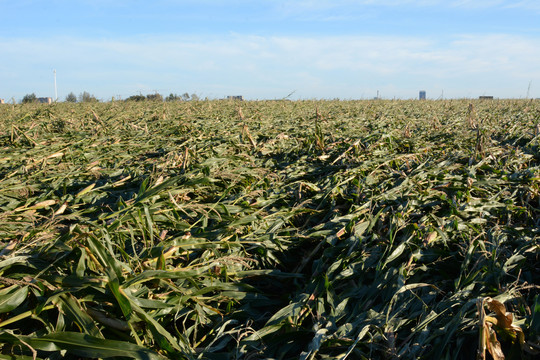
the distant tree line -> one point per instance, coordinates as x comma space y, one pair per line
86, 97
29, 98
159, 97
149, 97
183, 97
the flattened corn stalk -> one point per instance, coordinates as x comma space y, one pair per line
363, 231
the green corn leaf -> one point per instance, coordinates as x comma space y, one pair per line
121, 299
398, 251
12, 297
18, 357
89, 346
73, 311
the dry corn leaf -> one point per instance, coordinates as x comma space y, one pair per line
61, 209
504, 319
85, 190
432, 236
493, 345
39, 205
55, 155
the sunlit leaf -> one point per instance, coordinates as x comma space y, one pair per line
11, 297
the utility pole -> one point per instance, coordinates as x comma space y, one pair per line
55, 90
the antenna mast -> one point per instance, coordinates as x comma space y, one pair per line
55, 90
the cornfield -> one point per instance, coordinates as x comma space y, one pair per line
270, 229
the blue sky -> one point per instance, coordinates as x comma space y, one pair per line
268, 49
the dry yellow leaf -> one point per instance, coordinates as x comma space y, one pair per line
39, 205
42, 204
493, 345
85, 190
432, 236
61, 210
55, 155
504, 319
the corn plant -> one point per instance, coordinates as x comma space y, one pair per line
287, 230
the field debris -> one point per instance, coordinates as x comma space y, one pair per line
278, 229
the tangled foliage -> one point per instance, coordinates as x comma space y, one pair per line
291, 230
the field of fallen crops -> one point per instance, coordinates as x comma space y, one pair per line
283, 230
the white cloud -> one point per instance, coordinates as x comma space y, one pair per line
268, 67
524, 4
309, 6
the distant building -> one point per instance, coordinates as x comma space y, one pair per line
235, 97
1, 101
422, 95
44, 100
485, 97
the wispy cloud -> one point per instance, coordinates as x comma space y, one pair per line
328, 5
524, 4
270, 66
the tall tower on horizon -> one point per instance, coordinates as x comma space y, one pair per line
55, 90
